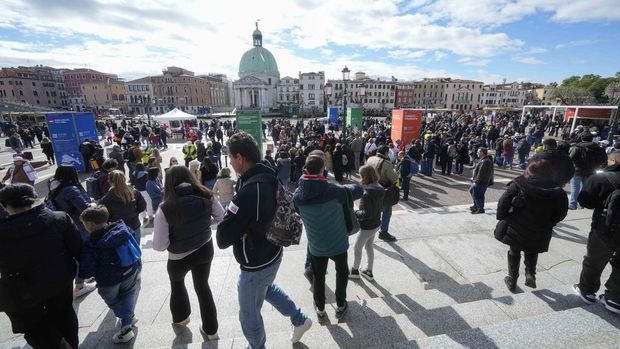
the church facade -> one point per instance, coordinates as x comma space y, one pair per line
258, 78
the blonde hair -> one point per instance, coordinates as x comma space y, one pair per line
120, 187
224, 173
369, 174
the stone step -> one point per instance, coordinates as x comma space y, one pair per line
582, 327
377, 322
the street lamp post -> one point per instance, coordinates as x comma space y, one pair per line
614, 126
345, 78
147, 103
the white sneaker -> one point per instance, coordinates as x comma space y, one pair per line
85, 289
210, 337
124, 335
298, 331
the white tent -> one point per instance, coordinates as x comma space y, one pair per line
174, 114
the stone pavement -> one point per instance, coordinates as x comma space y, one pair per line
440, 286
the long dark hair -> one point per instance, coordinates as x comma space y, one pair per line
181, 174
67, 176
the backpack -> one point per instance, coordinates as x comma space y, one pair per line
415, 168
92, 187
452, 152
129, 253
286, 226
608, 222
345, 160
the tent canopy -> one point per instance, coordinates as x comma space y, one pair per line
174, 114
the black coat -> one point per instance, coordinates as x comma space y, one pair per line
561, 163
371, 206
42, 246
595, 191
127, 212
531, 207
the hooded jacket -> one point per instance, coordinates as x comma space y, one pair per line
120, 210
320, 204
100, 258
531, 216
38, 249
246, 221
562, 164
595, 191
371, 206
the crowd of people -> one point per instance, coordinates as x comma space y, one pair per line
94, 240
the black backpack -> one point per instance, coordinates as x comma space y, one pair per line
608, 223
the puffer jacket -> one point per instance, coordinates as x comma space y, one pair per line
531, 207
371, 206
100, 258
38, 250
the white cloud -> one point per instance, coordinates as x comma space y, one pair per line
576, 43
479, 62
400, 54
489, 78
536, 50
528, 60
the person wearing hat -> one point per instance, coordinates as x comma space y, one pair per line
23, 171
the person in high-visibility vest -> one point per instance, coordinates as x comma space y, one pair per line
189, 152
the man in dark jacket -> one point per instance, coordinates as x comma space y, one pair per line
481, 180
87, 150
587, 157
601, 249
244, 227
562, 164
118, 155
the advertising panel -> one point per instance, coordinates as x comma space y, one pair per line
65, 139
250, 121
354, 118
86, 127
406, 124
588, 113
332, 115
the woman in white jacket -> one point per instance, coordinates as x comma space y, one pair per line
224, 188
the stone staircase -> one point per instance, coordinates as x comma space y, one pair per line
430, 292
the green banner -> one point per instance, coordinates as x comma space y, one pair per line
250, 121
354, 118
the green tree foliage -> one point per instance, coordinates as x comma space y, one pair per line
573, 95
594, 84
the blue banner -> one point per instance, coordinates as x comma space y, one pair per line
86, 127
65, 139
332, 115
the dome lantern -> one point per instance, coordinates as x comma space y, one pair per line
257, 37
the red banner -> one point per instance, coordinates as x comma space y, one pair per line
406, 124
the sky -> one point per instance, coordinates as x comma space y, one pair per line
486, 40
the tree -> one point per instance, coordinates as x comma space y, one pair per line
572, 95
595, 84
612, 91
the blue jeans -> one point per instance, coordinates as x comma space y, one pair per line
575, 187
122, 297
477, 193
254, 288
508, 161
429, 166
386, 215
459, 167
137, 235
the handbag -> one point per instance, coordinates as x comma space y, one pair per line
350, 219
392, 192
501, 229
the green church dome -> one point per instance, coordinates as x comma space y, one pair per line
258, 60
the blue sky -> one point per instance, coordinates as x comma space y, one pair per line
487, 40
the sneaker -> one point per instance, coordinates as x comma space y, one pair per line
124, 335
609, 304
321, 314
210, 337
340, 311
385, 236
472, 208
587, 298
355, 274
477, 211
85, 289
298, 331
182, 323
368, 275
572, 207
309, 276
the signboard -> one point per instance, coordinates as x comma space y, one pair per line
354, 118
86, 127
406, 124
250, 121
332, 115
65, 139
588, 113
